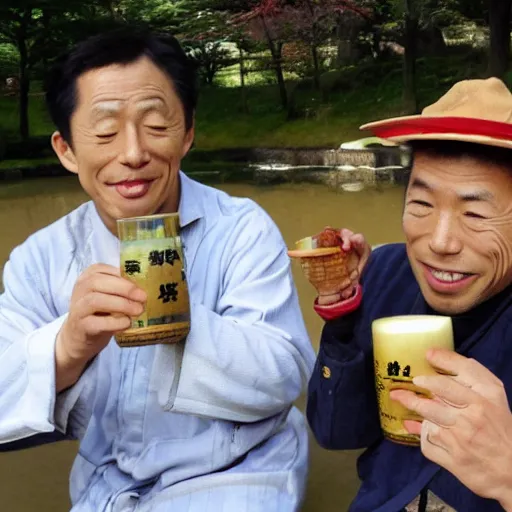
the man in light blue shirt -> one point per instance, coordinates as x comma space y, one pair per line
205, 425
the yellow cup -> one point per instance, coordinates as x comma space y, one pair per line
152, 257
400, 345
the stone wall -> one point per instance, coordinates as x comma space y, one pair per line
333, 167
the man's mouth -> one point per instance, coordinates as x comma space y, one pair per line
448, 276
444, 280
133, 189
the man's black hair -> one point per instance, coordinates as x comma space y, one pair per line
120, 46
460, 149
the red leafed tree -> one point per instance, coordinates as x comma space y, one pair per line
313, 21
279, 21
263, 21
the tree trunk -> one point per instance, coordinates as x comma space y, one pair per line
46, 25
316, 66
24, 74
243, 90
340, 43
210, 74
376, 40
276, 50
411, 33
113, 11
499, 22
314, 45
283, 93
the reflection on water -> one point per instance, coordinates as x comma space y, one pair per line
298, 210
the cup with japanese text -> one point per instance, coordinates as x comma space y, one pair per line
400, 345
152, 257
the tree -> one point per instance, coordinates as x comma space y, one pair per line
411, 35
314, 21
165, 15
210, 57
38, 29
263, 22
203, 32
18, 25
245, 46
418, 17
475, 10
499, 23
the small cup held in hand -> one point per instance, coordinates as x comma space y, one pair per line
324, 264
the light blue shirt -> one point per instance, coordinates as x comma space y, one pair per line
202, 426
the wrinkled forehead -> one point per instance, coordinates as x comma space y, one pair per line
460, 168
106, 88
461, 178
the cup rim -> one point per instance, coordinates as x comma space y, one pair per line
147, 217
312, 253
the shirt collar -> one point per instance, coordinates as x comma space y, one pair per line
191, 204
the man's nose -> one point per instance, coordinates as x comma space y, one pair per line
445, 239
134, 153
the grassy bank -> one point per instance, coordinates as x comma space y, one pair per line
348, 98
22, 164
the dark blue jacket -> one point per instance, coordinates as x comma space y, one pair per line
342, 406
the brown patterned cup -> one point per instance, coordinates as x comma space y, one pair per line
152, 257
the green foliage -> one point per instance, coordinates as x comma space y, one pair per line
214, 35
40, 123
474, 10
211, 57
358, 94
430, 13
9, 60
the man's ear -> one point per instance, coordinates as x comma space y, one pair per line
188, 140
64, 152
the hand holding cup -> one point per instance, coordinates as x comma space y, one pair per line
333, 262
102, 305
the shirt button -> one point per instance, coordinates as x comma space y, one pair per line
326, 372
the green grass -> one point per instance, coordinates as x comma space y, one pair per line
22, 164
350, 97
230, 77
321, 122
40, 123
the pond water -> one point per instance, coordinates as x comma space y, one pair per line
37, 479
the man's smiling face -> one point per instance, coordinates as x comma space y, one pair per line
458, 227
128, 138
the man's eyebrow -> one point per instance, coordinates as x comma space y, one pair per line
477, 195
109, 107
467, 197
106, 107
149, 103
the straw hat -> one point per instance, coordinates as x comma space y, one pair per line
478, 111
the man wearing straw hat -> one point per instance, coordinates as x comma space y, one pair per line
456, 261
204, 424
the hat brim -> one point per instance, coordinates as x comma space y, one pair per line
464, 129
